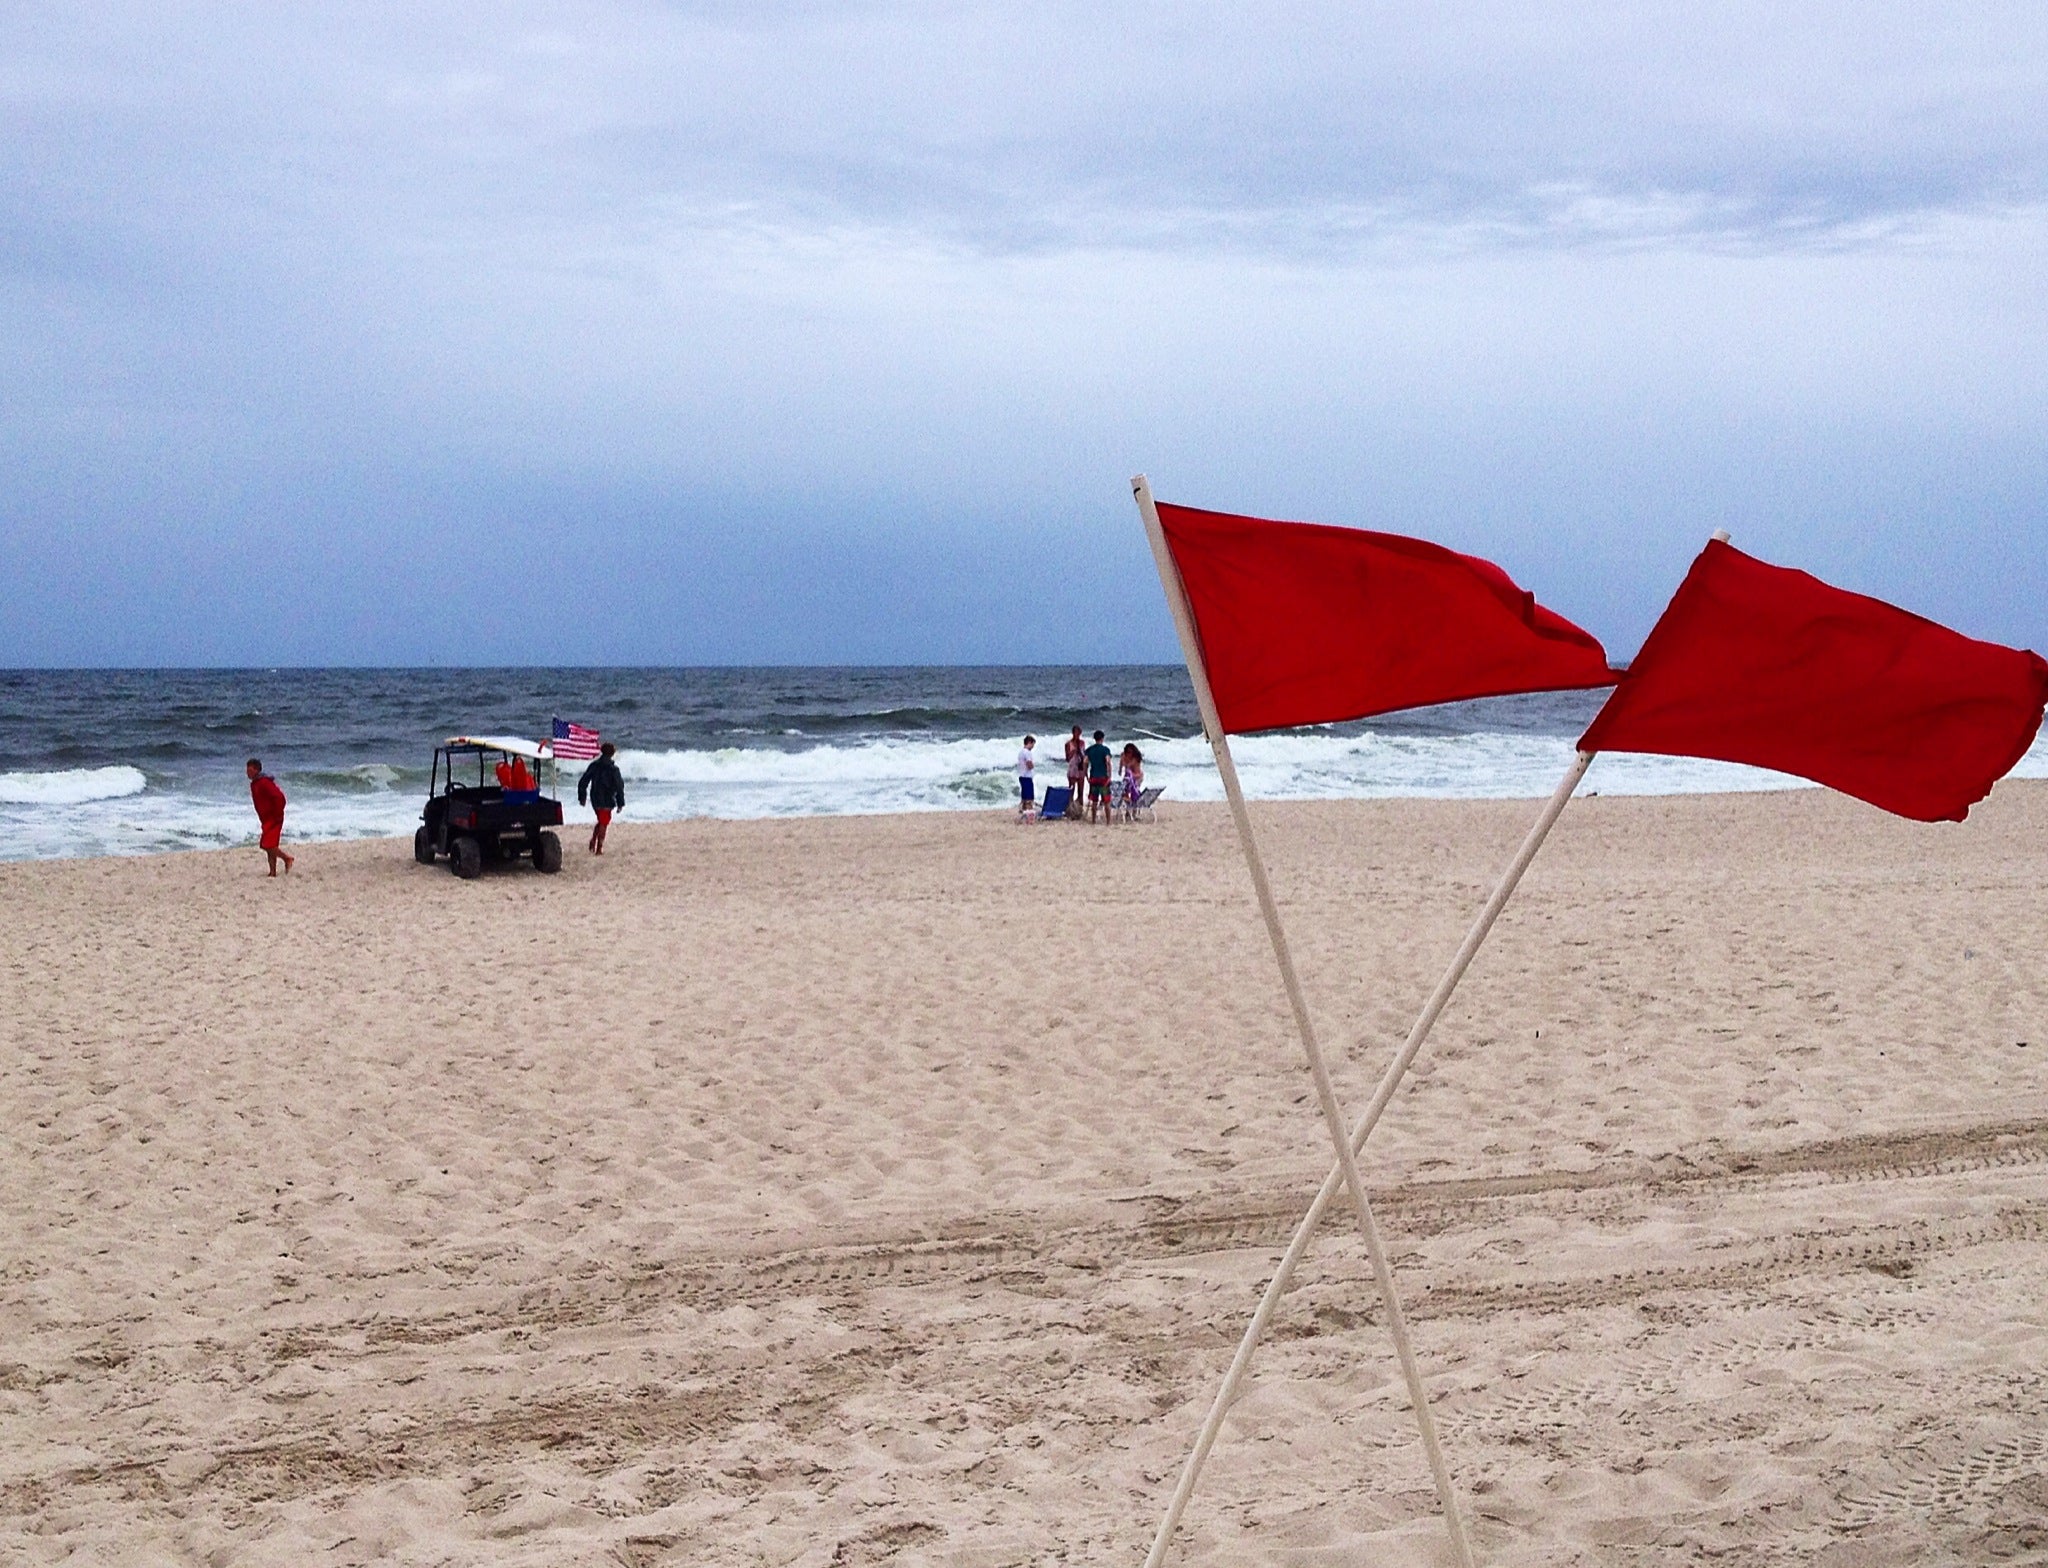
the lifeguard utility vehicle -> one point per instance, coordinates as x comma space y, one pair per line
473, 819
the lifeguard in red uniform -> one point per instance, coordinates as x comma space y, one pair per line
269, 802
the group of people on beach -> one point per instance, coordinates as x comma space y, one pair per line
1114, 782
1087, 764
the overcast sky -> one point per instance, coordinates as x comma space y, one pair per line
753, 332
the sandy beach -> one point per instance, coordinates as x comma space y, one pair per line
849, 1190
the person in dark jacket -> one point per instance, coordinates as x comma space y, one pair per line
603, 788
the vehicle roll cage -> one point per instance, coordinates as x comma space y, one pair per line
465, 748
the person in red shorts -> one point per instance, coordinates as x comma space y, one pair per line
1098, 780
269, 802
603, 787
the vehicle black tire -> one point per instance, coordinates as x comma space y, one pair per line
423, 846
547, 853
466, 858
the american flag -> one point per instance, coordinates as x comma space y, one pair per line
574, 743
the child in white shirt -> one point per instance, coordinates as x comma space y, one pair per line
1026, 763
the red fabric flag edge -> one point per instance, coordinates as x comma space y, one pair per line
1566, 641
1665, 644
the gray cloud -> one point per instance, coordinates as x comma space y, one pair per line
1551, 281
1317, 127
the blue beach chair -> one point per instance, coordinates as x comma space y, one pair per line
1054, 807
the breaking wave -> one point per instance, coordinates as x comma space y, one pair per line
70, 786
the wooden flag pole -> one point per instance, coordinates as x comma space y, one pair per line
1326, 1094
1297, 1245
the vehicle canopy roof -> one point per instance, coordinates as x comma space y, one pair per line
506, 743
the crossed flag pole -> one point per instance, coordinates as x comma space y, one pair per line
1326, 1094
1749, 663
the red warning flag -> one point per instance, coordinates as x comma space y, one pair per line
1769, 666
1305, 624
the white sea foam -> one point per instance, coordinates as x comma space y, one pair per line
916, 775
70, 786
862, 764
114, 810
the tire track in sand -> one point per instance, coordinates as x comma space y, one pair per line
1071, 1262
1017, 1245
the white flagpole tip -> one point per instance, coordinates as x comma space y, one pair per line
1721, 534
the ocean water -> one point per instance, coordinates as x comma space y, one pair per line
100, 762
